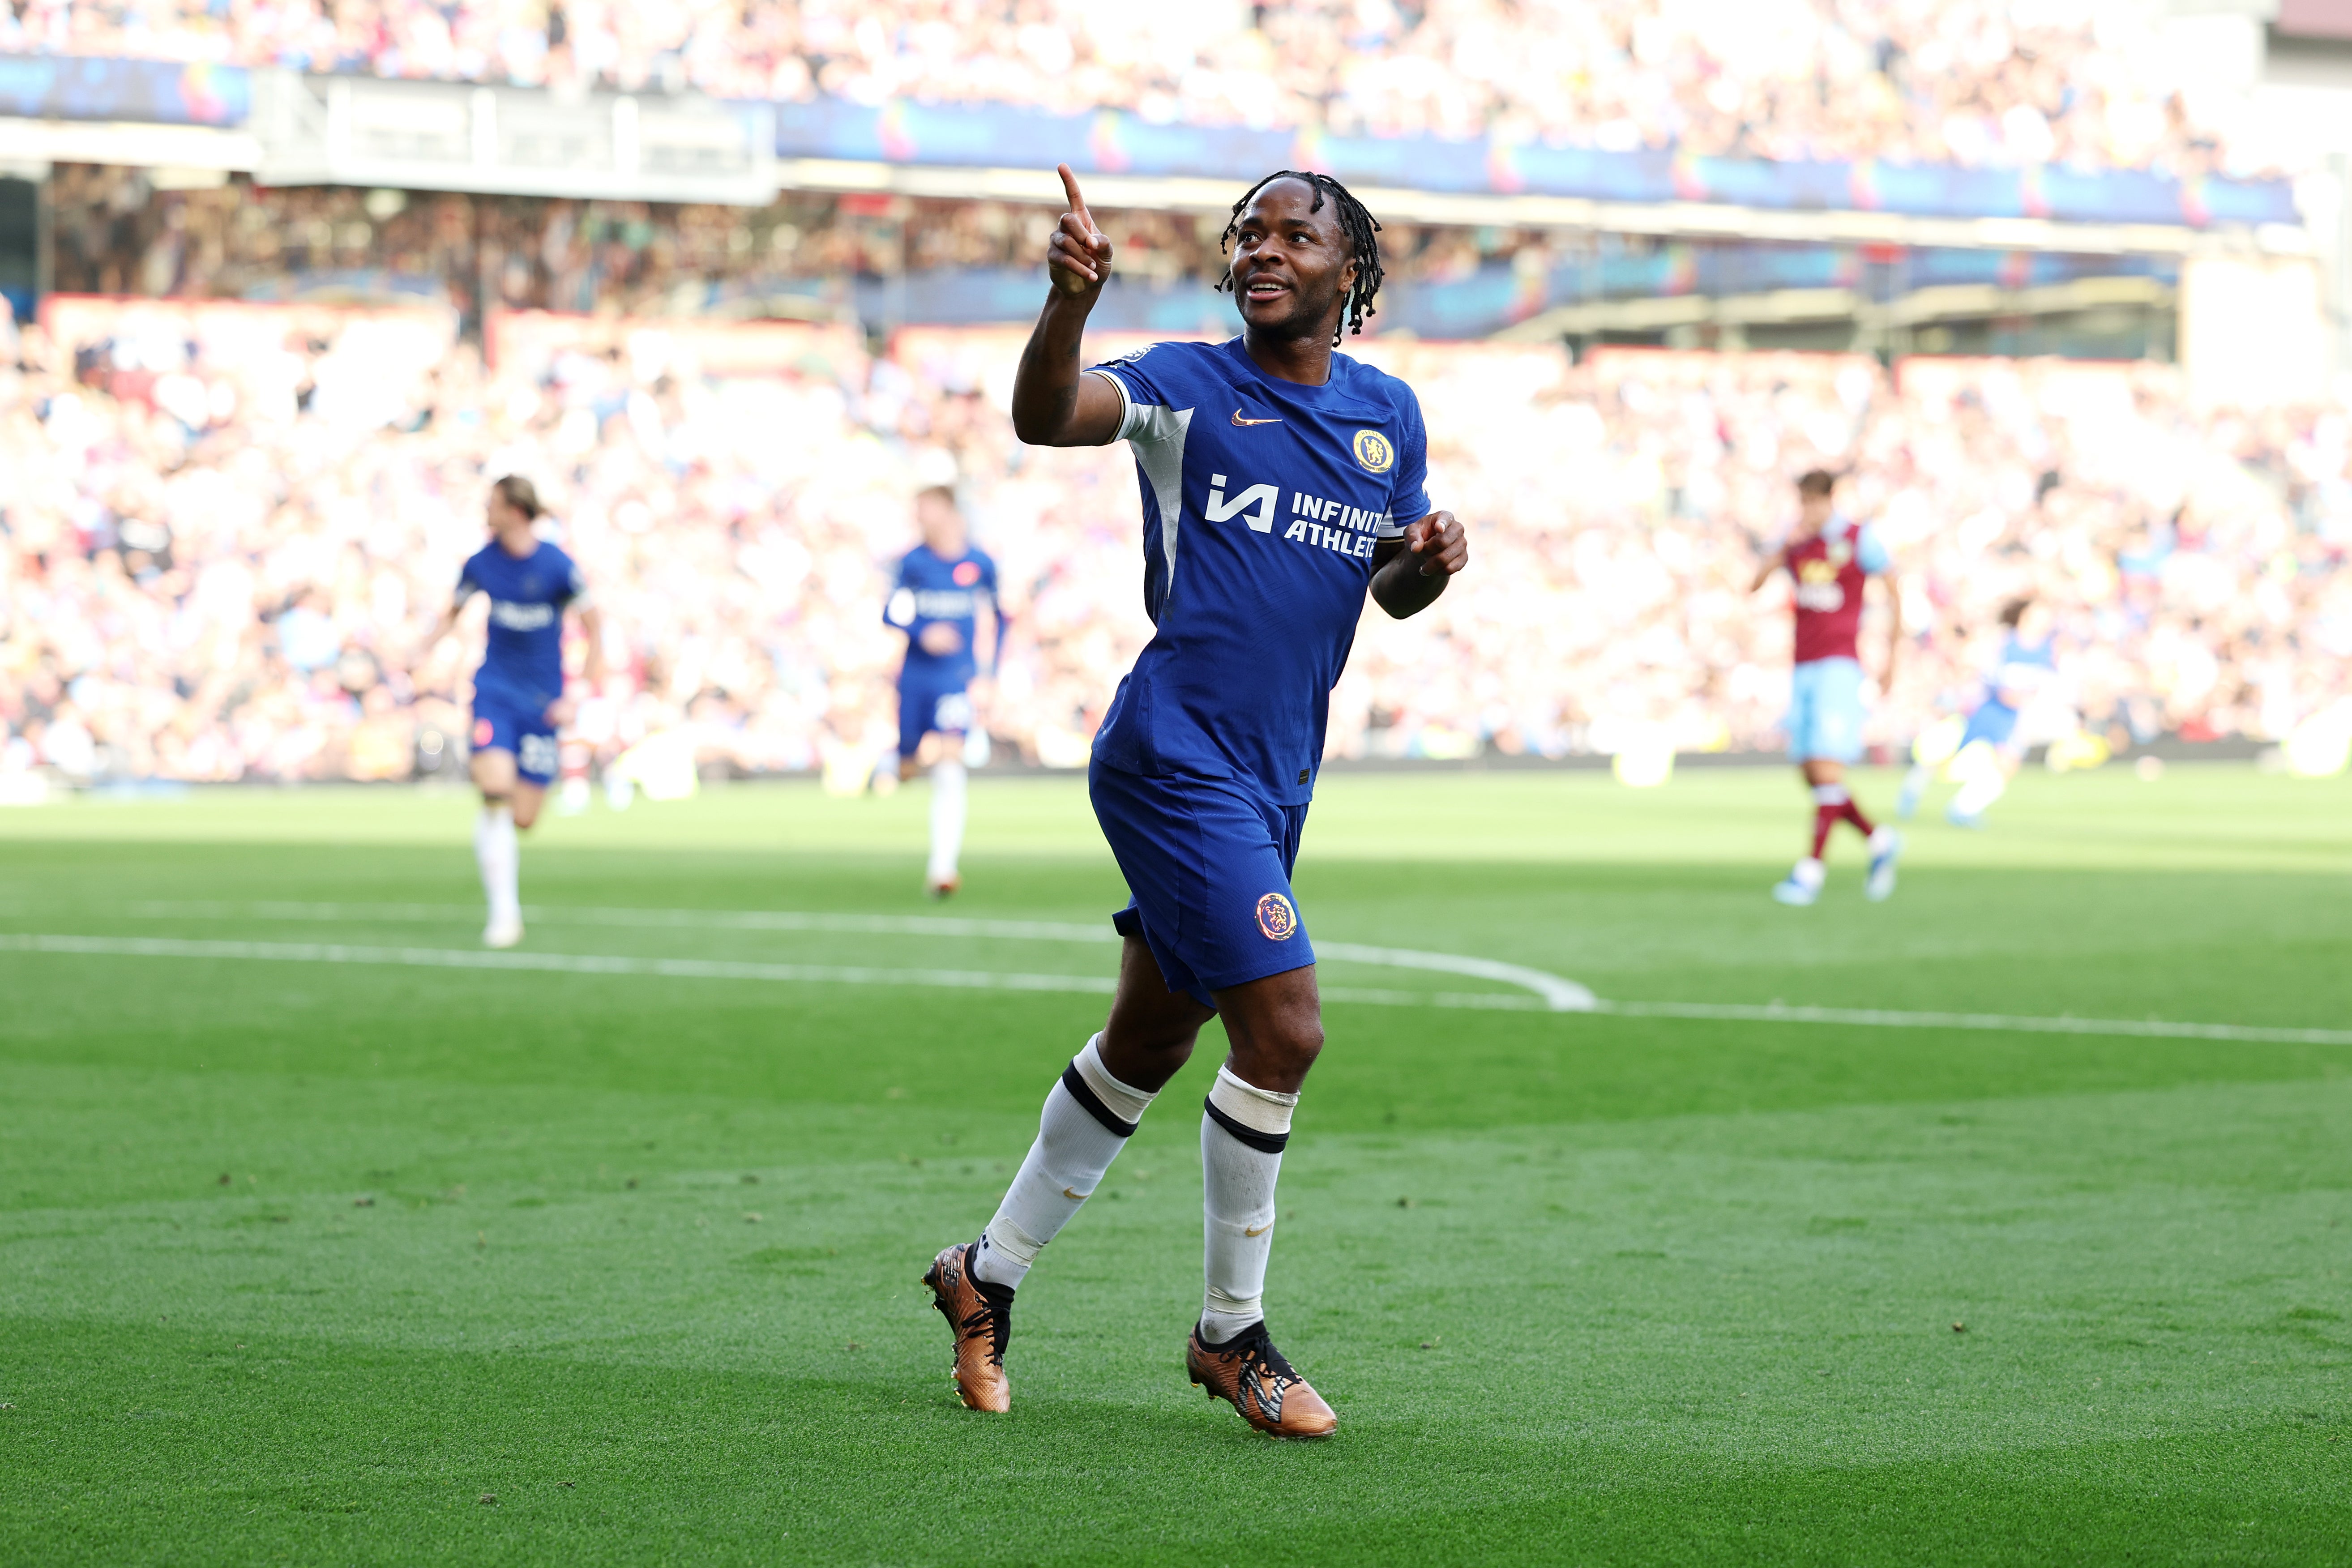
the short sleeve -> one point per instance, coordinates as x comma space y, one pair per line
575, 583
466, 586
1408, 493
1870, 551
898, 609
1141, 391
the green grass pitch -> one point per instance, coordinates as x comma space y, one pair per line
309, 1262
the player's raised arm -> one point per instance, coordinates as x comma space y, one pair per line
1053, 404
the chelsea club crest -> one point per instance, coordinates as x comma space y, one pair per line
1276, 918
1373, 450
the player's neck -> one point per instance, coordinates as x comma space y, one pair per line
519, 545
1305, 361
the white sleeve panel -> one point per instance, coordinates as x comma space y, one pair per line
1128, 410
1157, 443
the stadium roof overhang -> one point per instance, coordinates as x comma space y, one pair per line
1680, 220
1792, 307
440, 136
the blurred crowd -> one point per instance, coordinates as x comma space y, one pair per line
115, 234
1975, 82
231, 525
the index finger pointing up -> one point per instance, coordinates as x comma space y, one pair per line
1077, 202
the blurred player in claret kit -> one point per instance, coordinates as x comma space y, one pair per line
519, 701
1832, 559
1281, 481
944, 588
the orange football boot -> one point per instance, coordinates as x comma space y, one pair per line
980, 1314
1251, 1376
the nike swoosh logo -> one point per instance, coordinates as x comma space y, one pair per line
1239, 420
1260, 1230
1075, 1196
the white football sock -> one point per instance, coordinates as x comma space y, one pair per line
496, 853
1984, 786
1087, 1120
1244, 1129
947, 819
1830, 794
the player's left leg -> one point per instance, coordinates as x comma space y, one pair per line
1276, 1027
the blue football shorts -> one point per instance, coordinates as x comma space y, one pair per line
1825, 711
925, 707
503, 724
1207, 864
1994, 722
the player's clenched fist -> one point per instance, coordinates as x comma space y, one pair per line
1078, 255
1439, 544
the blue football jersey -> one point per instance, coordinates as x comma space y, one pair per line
929, 589
1262, 502
524, 660
2024, 668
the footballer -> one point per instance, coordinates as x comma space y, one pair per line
1281, 482
944, 588
518, 701
1832, 559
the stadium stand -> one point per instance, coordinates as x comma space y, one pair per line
1980, 84
890, 260
233, 522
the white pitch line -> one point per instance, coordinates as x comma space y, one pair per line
668, 968
633, 919
1559, 994
554, 963
1553, 994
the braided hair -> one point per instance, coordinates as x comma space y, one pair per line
1357, 227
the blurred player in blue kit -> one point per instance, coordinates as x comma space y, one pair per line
944, 589
529, 586
1990, 750
1281, 482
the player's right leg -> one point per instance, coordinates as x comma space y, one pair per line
951, 719
1987, 758
1931, 748
496, 853
1090, 1112
1803, 884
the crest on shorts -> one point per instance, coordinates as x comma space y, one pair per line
1276, 917
1373, 450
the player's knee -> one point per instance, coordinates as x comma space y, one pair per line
525, 814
